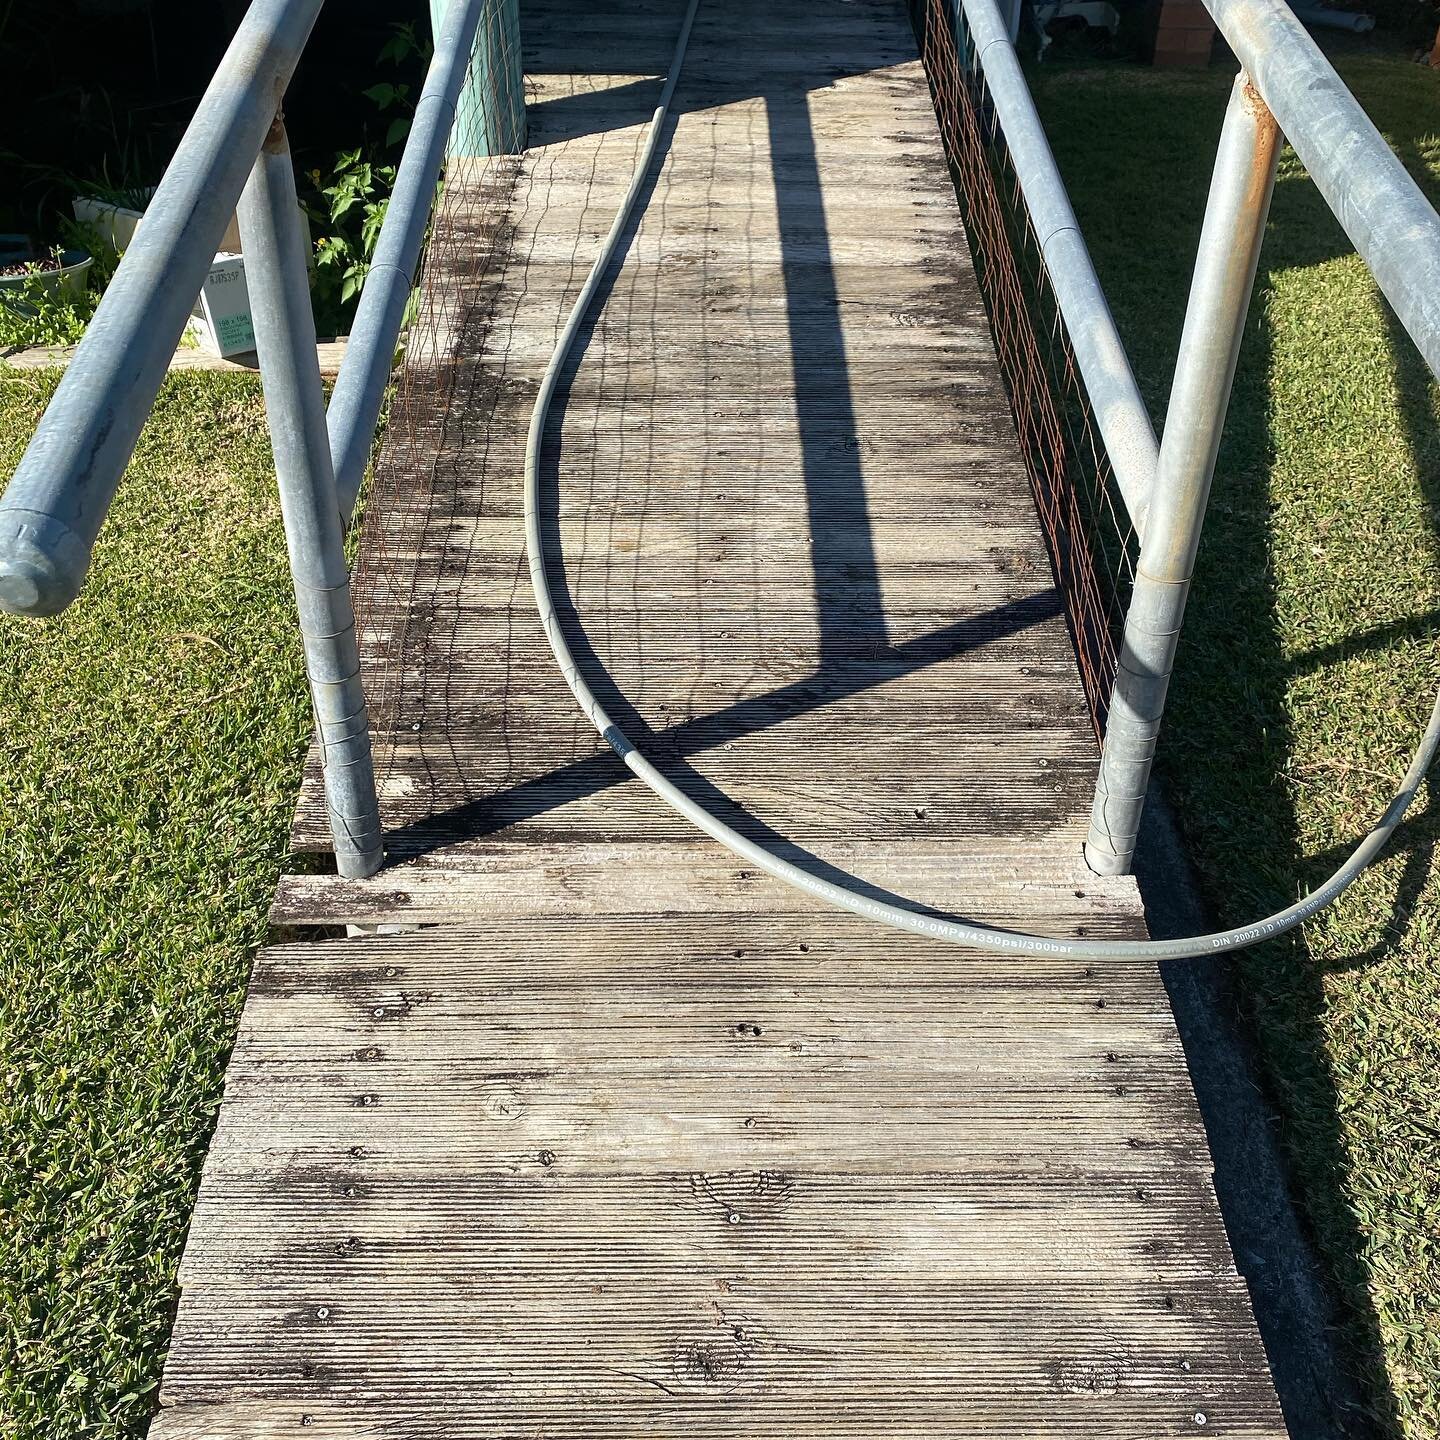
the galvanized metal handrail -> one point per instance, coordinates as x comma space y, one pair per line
272, 235
1377, 201
1285, 79
1286, 84
56, 502
54, 506
1119, 410
1229, 253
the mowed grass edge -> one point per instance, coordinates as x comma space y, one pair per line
150, 748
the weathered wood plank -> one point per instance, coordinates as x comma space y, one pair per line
604, 1134
1042, 1152
853, 645
686, 877
667, 544
329, 353
796, 1022
991, 1223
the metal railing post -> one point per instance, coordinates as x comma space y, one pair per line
1225, 266
490, 119
1378, 203
275, 251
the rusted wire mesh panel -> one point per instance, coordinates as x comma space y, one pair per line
438, 407
1091, 541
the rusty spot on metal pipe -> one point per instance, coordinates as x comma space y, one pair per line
1264, 118
1267, 142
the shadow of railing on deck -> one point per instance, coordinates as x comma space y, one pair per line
854, 652
839, 678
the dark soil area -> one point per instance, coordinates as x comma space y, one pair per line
35, 264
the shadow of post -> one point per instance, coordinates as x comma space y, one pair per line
843, 549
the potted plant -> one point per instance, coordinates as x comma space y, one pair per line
44, 297
50, 275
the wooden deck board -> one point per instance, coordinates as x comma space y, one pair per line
599, 1133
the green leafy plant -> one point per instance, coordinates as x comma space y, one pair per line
37, 315
39, 312
104, 257
127, 193
347, 209
354, 210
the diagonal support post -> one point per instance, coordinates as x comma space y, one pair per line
270, 230
1225, 266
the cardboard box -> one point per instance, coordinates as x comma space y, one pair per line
221, 320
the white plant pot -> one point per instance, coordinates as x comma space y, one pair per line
115, 223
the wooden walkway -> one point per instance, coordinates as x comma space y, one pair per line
616, 1138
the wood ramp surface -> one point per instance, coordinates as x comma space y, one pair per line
613, 1137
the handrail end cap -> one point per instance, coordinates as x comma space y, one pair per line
42, 563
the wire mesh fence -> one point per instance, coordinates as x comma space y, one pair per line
407, 576
1092, 543
436, 407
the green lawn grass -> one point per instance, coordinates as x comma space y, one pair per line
150, 745
1309, 662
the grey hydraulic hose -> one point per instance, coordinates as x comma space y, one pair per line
979, 937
